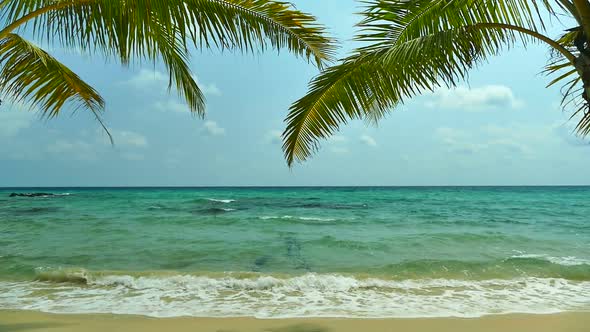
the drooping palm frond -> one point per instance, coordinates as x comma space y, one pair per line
152, 30
414, 46
174, 55
562, 69
236, 24
28, 73
568, 74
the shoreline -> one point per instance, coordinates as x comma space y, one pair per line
33, 321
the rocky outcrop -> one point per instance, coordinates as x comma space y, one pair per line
31, 195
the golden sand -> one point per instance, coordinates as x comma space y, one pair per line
25, 321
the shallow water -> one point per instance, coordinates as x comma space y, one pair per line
297, 252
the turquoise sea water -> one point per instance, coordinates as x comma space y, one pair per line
297, 252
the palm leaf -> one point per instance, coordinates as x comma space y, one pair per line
29, 73
152, 30
97, 25
414, 46
175, 56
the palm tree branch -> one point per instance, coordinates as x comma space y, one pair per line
28, 72
376, 78
175, 55
321, 54
232, 23
557, 46
36, 13
300, 124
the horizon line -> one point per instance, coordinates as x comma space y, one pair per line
295, 186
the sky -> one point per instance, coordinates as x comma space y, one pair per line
501, 127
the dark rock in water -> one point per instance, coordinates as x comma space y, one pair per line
31, 194
212, 211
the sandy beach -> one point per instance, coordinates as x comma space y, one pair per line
25, 321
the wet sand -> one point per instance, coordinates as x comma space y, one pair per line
25, 321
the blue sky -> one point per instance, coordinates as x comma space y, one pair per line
503, 127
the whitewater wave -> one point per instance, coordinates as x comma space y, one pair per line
564, 260
309, 295
287, 217
225, 201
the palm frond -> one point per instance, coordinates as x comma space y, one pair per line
174, 54
341, 92
28, 73
566, 73
415, 46
247, 25
152, 30
390, 22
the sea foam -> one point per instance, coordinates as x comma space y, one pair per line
561, 260
288, 217
309, 295
225, 201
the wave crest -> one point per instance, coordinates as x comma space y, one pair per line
224, 201
288, 217
272, 296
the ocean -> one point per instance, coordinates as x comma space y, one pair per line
296, 252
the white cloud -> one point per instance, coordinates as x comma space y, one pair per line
213, 129
130, 139
76, 149
457, 141
475, 99
368, 140
510, 145
153, 84
449, 135
14, 118
210, 89
124, 138
171, 105
494, 138
95, 146
567, 132
338, 144
148, 79
520, 132
64, 146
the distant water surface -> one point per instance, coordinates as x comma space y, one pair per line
297, 252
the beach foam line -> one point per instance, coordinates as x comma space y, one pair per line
308, 295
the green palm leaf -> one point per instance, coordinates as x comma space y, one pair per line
413, 46
153, 30
29, 73
123, 26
